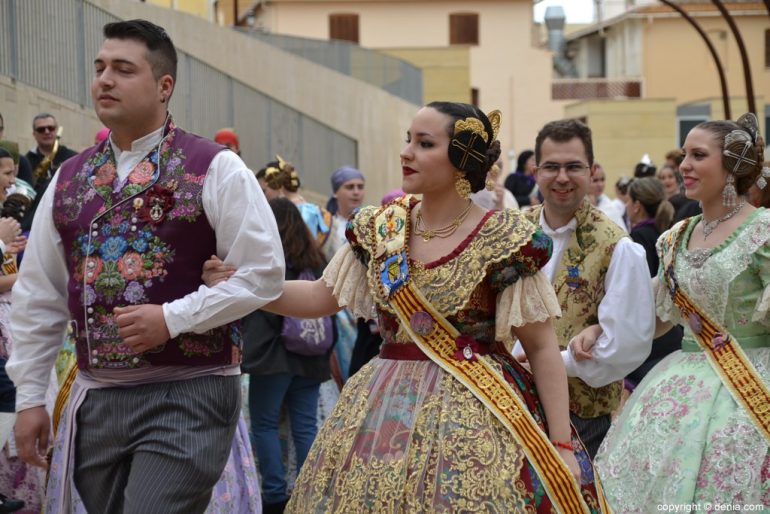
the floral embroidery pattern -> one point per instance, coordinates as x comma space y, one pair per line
123, 264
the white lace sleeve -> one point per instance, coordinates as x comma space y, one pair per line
528, 300
664, 304
346, 275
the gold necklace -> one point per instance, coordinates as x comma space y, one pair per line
443, 232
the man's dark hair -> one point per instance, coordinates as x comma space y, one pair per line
161, 53
5, 154
562, 131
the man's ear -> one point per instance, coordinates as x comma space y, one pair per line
166, 83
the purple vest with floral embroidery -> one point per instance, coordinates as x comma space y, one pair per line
142, 243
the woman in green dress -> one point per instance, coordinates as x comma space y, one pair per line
689, 435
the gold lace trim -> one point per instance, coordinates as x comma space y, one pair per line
449, 285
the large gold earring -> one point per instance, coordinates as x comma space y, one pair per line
462, 186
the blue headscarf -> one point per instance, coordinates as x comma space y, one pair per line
339, 177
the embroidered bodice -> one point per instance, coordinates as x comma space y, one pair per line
731, 282
477, 287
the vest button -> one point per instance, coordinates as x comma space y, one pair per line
90, 310
95, 225
95, 353
94, 233
94, 361
133, 228
90, 320
134, 220
135, 360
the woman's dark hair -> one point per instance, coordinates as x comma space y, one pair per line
299, 248
649, 192
746, 174
460, 111
643, 170
522, 160
161, 53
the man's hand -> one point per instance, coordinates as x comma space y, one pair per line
142, 327
216, 271
32, 434
9, 230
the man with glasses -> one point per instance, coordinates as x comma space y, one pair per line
44, 160
600, 277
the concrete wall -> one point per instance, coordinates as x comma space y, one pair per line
624, 130
510, 74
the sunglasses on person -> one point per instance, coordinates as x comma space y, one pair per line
45, 128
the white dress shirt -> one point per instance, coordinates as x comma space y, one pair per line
604, 204
246, 237
626, 313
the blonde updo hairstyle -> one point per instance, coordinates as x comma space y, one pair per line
733, 138
280, 174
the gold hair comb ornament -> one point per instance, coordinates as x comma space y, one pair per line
473, 125
495, 118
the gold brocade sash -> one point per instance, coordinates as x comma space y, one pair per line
436, 337
725, 355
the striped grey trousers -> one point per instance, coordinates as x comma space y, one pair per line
591, 431
155, 448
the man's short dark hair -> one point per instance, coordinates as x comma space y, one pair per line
562, 131
43, 116
161, 53
5, 154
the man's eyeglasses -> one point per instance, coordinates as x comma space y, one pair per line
572, 168
45, 128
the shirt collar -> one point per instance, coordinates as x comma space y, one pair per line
569, 227
143, 144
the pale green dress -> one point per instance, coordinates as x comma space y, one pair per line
681, 439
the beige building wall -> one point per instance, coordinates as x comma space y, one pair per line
445, 71
201, 8
677, 64
510, 74
624, 130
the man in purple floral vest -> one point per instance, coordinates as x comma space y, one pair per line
115, 254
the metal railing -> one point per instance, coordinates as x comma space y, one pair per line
395, 76
54, 52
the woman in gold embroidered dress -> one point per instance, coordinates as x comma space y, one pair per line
407, 435
683, 438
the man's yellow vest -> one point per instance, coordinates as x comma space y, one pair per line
579, 285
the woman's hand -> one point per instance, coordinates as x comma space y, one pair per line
17, 245
569, 459
216, 271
